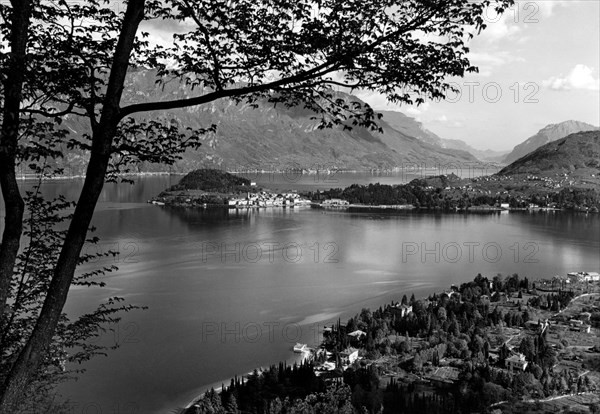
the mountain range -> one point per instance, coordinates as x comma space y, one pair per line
275, 138
412, 127
271, 138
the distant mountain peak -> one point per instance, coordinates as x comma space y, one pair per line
574, 156
568, 122
549, 133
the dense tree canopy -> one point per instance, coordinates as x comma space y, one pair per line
72, 59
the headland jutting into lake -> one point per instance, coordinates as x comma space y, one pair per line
505, 344
215, 188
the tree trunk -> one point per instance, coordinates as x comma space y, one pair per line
13, 89
28, 362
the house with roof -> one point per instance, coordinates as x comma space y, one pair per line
348, 356
444, 376
358, 334
405, 309
591, 277
335, 202
583, 276
539, 326
333, 376
402, 310
576, 323
516, 363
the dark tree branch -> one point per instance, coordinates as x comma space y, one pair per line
331, 65
206, 34
45, 327
321, 70
47, 114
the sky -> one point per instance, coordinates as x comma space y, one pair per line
538, 65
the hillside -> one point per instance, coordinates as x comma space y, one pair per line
273, 138
211, 181
438, 181
577, 156
409, 126
545, 135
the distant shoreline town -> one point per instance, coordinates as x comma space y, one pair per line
214, 188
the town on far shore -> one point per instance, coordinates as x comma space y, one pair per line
498, 345
207, 188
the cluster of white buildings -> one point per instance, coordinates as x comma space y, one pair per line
575, 277
346, 358
266, 199
402, 309
334, 202
552, 182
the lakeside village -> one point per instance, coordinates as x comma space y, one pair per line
213, 188
262, 199
499, 345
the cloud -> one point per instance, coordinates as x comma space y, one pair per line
488, 61
376, 100
499, 26
580, 77
496, 58
416, 111
447, 122
516, 18
545, 7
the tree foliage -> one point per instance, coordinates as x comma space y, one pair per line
62, 59
74, 340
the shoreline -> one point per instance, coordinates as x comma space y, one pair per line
34, 177
352, 208
422, 171
243, 377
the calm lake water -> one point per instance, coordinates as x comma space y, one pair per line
228, 291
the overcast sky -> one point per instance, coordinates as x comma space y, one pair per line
542, 56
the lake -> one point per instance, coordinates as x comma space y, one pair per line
228, 291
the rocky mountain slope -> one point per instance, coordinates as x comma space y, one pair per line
545, 135
412, 127
275, 138
576, 156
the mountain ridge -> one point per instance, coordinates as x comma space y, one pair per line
549, 133
576, 156
269, 137
411, 126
